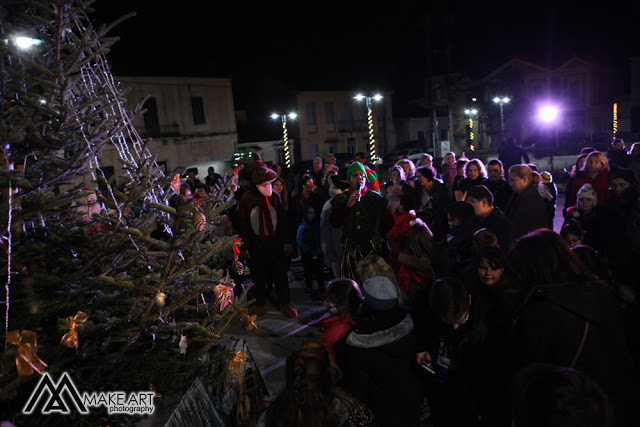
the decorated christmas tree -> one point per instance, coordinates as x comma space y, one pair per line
118, 281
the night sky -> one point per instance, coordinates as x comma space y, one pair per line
273, 49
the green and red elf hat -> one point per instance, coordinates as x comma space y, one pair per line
371, 175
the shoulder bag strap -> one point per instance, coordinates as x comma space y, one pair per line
581, 346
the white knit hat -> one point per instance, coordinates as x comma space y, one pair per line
588, 192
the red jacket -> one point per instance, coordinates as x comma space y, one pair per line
600, 185
413, 271
397, 236
334, 329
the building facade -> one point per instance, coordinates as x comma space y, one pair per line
189, 120
334, 122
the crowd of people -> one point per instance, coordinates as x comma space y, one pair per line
447, 287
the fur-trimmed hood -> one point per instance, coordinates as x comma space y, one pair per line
380, 338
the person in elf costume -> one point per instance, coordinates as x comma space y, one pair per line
364, 216
262, 224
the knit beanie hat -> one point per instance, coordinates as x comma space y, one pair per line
588, 192
380, 293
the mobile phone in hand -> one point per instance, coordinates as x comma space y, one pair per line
427, 366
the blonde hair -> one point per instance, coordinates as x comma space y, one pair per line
601, 158
522, 171
374, 265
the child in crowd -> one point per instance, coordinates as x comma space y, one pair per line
571, 233
308, 238
457, 180
584, 213
344, 300
397, 236
415, 262
483, 238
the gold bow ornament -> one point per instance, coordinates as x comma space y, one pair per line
26, 359
249, 321
236, 365
70, 339
224, 295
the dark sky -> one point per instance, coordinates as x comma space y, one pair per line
272, 49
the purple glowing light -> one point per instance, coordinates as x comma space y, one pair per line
548, 113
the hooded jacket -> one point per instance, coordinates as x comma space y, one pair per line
551, 325
379, 360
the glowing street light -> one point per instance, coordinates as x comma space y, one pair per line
283, 117
549, 115
471, 112
501, 101
372, 141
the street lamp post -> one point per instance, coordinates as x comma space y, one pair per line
471, 112
287, 155
372, 141
501, 101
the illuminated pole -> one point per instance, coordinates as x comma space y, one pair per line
615, 120
287, 155
372, 141
501, 102
471, 112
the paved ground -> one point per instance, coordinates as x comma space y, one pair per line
278, 336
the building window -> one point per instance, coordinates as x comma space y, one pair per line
151, 122
351, 146
313, 151
444, 134
348, 116
197, 107
311, 113
328, 112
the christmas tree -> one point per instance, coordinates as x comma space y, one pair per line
118, 281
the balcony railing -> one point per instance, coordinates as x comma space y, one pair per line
345, 126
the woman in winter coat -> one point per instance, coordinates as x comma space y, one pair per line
595, 172
526, 208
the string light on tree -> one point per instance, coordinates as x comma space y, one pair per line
285, 138
372, 140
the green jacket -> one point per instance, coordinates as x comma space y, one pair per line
364, 224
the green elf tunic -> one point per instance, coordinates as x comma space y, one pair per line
364, 226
